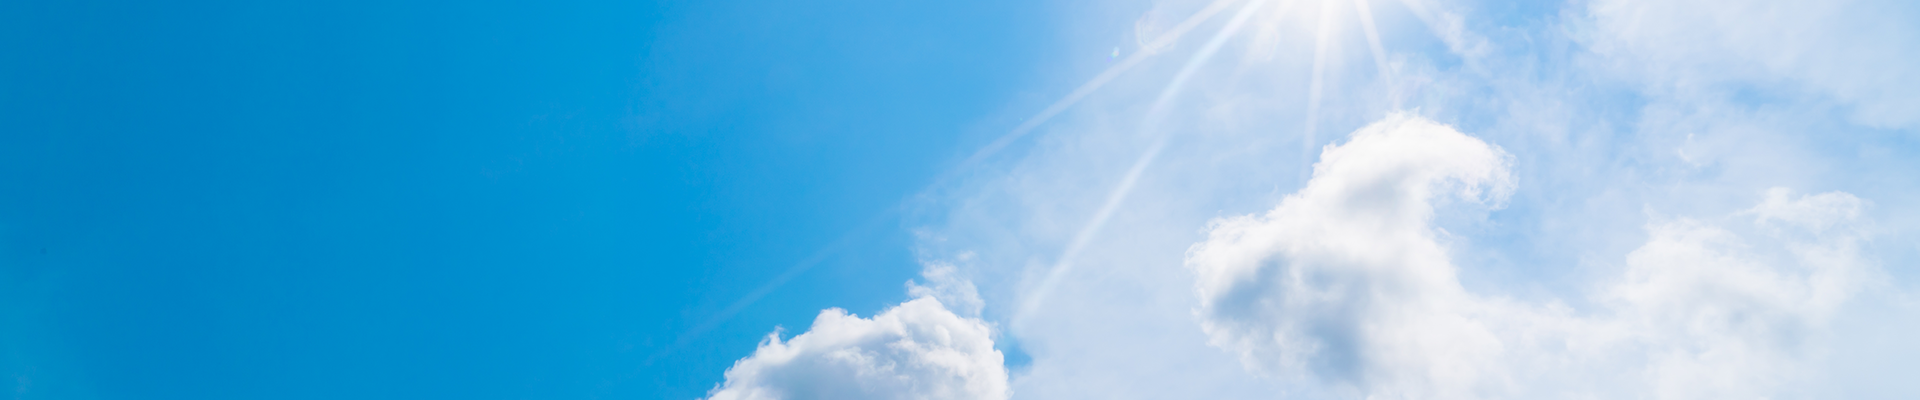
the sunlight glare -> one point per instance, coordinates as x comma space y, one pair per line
1118, 196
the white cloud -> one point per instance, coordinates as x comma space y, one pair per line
945, 283
1855, 51
917, 350
1348, 281
1633, 138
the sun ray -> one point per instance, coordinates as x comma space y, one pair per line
846, 240
1155, 116
1448, 28
1026, 127
1092, 85
1321, 38
1379, 52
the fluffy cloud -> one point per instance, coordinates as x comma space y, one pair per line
1346, 279
1349, 282
917, 350
1720, 318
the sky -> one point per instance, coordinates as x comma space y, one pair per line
1302, 199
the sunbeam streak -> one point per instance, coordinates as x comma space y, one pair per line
1155, 116
1379, 52
1091, 86
1027, 126
1307, 140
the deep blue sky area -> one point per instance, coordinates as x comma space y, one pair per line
308, 199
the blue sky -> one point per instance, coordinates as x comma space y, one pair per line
980, 200
459, 199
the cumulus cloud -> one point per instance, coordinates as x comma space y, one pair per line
1345, 278
1610, 246
1348, 281
916, 350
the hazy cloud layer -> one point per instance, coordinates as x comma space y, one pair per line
1852, 51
